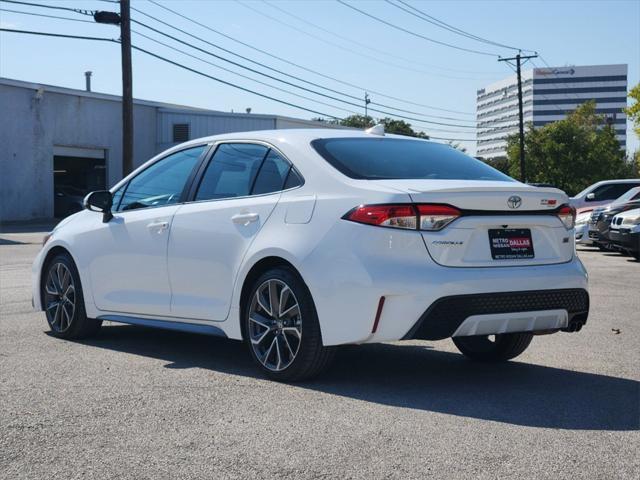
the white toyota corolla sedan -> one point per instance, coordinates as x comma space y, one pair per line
297, 241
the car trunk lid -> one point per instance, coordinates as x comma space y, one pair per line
501, 223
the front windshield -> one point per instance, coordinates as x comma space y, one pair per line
632, 194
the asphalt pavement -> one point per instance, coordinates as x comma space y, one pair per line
150, 404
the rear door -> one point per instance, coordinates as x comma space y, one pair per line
232, 200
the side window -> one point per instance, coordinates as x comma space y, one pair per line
611, 192
293, 179
232, 171
600, 193
272, 174
161, 183
619, 190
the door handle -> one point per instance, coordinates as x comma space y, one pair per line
245, 218
158, 226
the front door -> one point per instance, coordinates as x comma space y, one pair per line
127, 256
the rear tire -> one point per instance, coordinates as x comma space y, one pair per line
281, 328
63, 300
505, 347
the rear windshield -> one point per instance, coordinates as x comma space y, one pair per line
395, 158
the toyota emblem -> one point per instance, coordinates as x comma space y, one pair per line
514, 201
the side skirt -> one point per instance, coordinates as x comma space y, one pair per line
166, 324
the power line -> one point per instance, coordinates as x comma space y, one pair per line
284, 102
238, 74
264, 83
291, 83
418, 35
439, 23
267, 84
198, 72
369, 47
347, 95
340, 45
60, 35
46, 16
231, 53
159, 57
289, 62
54, 7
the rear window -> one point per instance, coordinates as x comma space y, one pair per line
395, 158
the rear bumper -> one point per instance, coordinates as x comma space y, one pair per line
484, 313
626, 239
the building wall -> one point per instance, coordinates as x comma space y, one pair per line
35, 121
549, 94
497, 113
40, 121
203, 124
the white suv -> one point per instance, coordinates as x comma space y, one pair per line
298, 241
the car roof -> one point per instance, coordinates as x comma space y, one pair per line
621, 180
291, 135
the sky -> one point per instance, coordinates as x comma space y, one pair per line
324, 38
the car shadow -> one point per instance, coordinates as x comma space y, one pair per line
418, 377
7, 241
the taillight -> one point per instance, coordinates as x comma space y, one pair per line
398, 216
567, 216
410, 217
436, 217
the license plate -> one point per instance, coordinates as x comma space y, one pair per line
510, 243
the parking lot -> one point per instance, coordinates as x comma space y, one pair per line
139, 403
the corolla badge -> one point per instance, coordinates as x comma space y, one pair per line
514, 201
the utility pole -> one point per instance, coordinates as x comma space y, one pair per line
124, 20
367, 101
127, 88
518, 58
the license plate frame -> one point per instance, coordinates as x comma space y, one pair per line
511, 244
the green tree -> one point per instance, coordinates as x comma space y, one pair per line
357, 121
633, 112
400, 127
571, 153
499, 163
391, 125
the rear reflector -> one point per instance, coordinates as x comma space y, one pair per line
378, 313
567, 216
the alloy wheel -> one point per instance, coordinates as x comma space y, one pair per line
275, 323
60, 297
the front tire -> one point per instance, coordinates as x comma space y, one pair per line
499, 349
281, 328
63, 300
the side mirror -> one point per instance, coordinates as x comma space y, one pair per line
591, 196
100, 201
